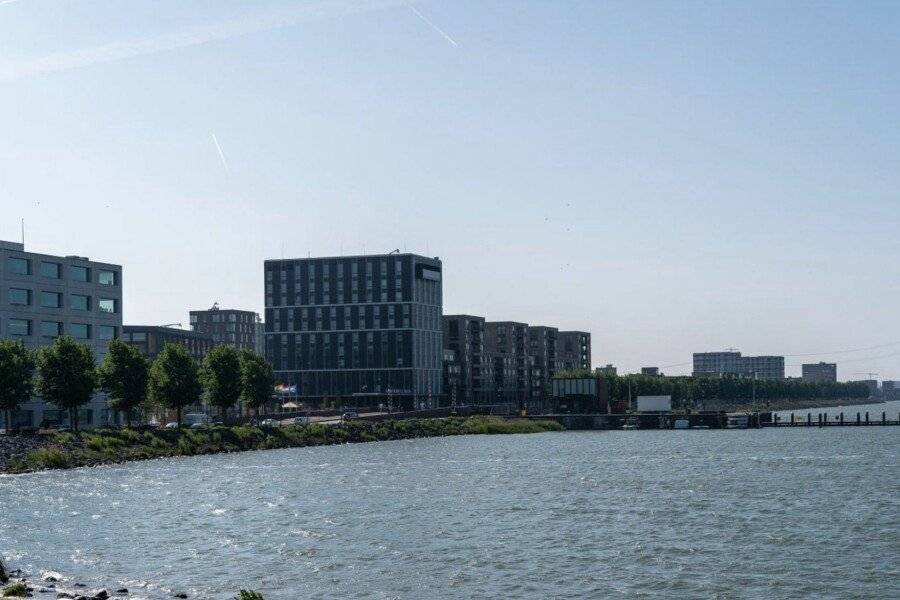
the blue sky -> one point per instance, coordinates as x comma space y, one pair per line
672, 176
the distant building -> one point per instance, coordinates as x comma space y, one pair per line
42, 297
464, 334
238, 328
506, 342
150, 339
890, 390
573, 350
821, 371
717, 364
608, 370
452, 376
654, 371
542, 342
359, 330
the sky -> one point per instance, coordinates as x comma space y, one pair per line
673, 177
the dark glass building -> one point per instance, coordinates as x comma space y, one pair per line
362, 329
150, 339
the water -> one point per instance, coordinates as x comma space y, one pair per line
646, 514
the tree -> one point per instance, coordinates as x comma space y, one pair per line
123, 375
256, 380
16, 377
68, 375
221, 377
173, 380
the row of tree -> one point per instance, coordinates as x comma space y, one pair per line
689, 391
66, 375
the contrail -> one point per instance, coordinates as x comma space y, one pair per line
221, 154
13, 69
432, 25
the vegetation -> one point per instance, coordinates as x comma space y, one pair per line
120, 445
710, 391
174, 380
4, 578
221, 377
123, 375
249, 595
256, 380
16, 590
16, 382
68, 375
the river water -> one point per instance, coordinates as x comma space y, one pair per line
796, 513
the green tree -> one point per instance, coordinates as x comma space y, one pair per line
174, 380
221, 377
16, 377
256, 380
123, 375
68, 375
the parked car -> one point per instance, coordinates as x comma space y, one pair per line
349, 415
172, 425
198, 425
270, 423
300, 421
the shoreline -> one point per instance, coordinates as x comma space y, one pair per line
27, 454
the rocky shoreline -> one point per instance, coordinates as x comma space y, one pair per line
16, 584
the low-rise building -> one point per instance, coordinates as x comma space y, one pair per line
730, 362
150, 339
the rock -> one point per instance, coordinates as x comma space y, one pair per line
100, 595
65, 595
179, 595
122, 591
79, 585
50, 578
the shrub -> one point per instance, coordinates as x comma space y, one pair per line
249, 595
3, 576
47, 458
64, 437
18, 590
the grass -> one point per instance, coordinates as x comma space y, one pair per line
16, 590
67, 450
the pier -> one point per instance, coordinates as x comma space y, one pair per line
859, 419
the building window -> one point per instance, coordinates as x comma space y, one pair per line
19, 266
81, 331
51, 299
106, 277
51, 269
80, 273
106, 332
80, 302
51, 328
19, 297
19, 327
139, 337
106, 305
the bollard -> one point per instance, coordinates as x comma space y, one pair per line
842, 418
857, 418
867, 417
883, 419
792, 418
820, 419
825, 418
809, 419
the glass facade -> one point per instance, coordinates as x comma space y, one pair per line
51, 299
79, 273
19, 266
19, 327
362, 325
51, 270
107, 305
81, 331
80, 302
51, 328
19, 297
105, 277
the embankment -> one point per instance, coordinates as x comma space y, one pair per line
21, 454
